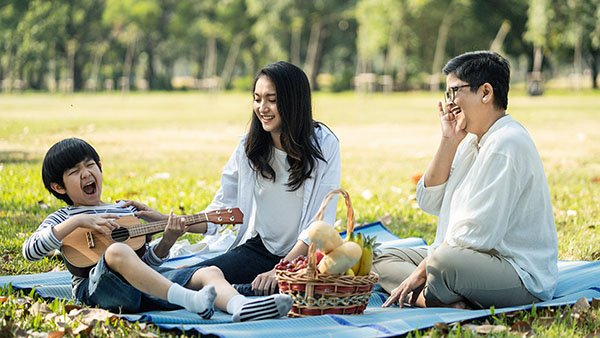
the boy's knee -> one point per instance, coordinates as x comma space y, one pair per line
117, 254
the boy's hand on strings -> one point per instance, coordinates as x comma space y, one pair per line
144, 212
102, 223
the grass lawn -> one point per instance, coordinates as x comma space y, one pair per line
168, 149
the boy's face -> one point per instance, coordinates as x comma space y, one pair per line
82, 183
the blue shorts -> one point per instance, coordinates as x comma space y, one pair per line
109, 290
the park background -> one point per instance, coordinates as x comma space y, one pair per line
162, 90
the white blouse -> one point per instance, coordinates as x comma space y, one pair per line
497, 200
238, 181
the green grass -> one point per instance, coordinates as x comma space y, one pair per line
385, 141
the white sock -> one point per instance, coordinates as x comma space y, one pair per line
201, 302
273, 306
235, 303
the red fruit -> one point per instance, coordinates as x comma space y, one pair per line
320, 256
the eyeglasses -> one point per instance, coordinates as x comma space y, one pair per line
451, 93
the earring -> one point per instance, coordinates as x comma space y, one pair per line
484, 99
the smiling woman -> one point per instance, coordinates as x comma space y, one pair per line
278, 176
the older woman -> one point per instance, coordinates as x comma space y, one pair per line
496, 242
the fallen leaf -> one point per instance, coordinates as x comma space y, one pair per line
485, 329
581, 305
69, 308
442, 327
3, 299
89, 315
39, 309
595, 303
56, 334
521, 326
545, 321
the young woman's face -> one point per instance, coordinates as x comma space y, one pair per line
265, 105
83, 183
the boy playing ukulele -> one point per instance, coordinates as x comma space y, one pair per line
121, 280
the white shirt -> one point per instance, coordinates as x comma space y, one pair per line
497, 200
238, 181
278, 210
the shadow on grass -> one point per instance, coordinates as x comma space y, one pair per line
17, 157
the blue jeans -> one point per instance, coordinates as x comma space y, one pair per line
109, 290
243, 263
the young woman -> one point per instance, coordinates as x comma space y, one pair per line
278, 175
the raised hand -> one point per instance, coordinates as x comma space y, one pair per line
453, 121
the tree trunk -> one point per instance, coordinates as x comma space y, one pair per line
391, 55
496, 45
295, 44
231, 58
312, 51
210, 63
124, 82
71, 49
594, 60
440, 47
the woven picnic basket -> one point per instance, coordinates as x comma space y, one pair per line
317, 293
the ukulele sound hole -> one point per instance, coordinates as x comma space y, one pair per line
120, 235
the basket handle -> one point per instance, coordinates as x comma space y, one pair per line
311, 269
350, 213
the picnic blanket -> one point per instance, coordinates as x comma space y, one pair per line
576, 279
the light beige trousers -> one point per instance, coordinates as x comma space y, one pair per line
456, 274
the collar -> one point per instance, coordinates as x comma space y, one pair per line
504, 120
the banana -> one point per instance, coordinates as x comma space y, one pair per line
358, 239
349, 272
366, 259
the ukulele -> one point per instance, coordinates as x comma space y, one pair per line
82, 248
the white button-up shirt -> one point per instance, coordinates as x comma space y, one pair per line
496, 199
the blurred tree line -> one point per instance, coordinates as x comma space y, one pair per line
367, 45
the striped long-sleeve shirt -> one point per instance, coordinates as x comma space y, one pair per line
43, 241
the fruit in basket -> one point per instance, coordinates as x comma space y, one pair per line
366, 259
358, 239
324, 236
296, 264
341, 259
319, 255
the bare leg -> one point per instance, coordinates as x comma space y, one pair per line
122, 259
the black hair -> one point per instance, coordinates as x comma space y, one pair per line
477, 68
298, 137
63, 156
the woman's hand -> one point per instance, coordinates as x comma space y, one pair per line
145, 212
265, 284
414, 283
453, 121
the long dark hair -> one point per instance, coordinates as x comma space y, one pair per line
298, 137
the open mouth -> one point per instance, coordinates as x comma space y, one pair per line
267, 117
90, 188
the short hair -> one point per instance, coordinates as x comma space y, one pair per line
63, 156
477, 68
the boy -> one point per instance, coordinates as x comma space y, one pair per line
121, 281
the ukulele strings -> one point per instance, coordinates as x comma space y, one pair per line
123, 233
